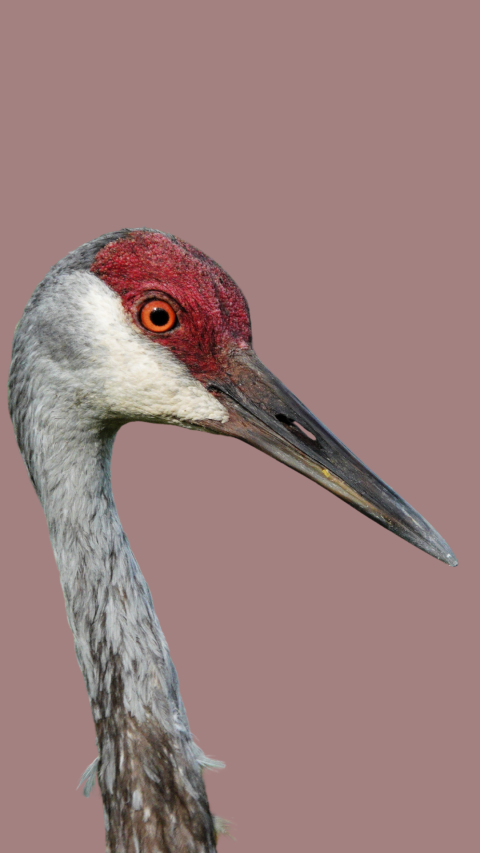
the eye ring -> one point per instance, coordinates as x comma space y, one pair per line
157, 316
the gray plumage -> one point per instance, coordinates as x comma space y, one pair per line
149, 768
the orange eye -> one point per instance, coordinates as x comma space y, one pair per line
158, 316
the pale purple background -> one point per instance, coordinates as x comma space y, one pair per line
326, 154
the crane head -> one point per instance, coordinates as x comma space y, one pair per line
163, 334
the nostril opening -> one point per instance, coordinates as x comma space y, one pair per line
214, 388
309, 434
284, 419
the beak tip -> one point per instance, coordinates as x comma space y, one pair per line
446, 555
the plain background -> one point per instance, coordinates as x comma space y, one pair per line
327, 155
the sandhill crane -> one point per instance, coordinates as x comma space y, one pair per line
139, 325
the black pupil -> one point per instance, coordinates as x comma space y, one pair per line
159, 317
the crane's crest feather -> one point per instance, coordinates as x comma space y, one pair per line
215, 316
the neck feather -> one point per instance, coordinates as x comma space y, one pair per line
149, 768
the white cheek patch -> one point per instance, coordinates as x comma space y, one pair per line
141, 379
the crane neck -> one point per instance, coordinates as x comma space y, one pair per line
143, 737
108, 602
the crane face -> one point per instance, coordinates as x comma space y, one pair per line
140, 325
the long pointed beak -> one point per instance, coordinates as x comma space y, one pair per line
268, 416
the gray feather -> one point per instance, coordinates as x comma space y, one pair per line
149, 768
